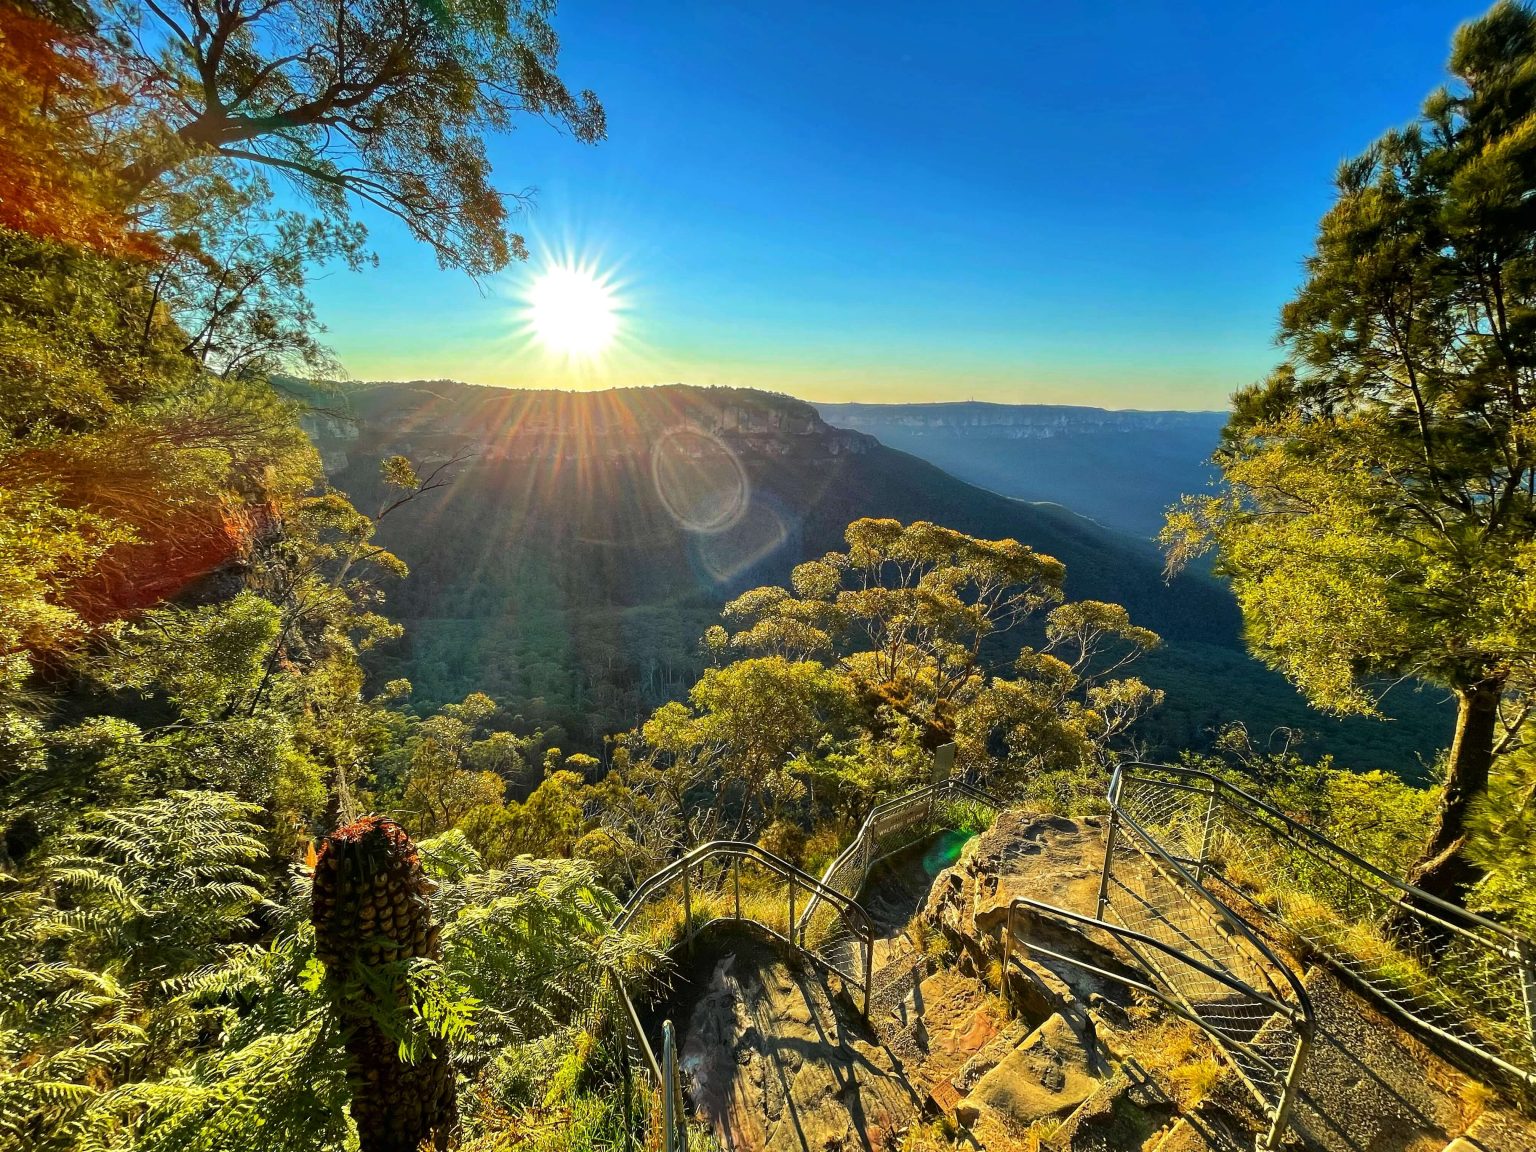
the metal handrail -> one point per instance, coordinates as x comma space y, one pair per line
861, 840
1300, 1015
1395, 897
659, 1069
1419, 898
1300, 1012
1226, 914
664, 1071
739, 850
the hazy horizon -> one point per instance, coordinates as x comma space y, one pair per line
1104, 208
812, 400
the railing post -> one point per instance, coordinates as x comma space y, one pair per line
869, 965
1527, 952
790, 927
1276, 1135
626, 1077
864, 868
1002, 980
1109, 856
668, 1110
687, 912
736, 882
1205, 836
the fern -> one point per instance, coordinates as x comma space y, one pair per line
532, 943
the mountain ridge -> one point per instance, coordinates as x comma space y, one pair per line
576, 556
1119, 467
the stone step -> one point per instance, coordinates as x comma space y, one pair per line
1043, 1080
1126, 1111
1496, 1131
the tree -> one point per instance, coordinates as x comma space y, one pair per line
1378, 521
849, 679
233, 272
386, 102
51, 89
916, 615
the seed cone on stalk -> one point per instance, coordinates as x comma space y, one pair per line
370, 909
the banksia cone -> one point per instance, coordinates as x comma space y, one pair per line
370, 908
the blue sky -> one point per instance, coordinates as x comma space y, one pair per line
1068, 202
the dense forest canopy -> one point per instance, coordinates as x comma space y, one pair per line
250, 897
557, 571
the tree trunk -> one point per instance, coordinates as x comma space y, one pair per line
1443, 869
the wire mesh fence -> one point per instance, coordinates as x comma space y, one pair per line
897, 824
1265, 1038
1460, 978
1225, 977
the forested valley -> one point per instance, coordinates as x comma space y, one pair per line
579, 544
322, 789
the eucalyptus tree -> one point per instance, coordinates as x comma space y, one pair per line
1378, 516
923, 626
383, 102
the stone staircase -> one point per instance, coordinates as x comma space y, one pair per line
1369, 1086
1053, 1059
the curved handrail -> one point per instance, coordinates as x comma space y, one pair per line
1449, 1014
1300, 1013
1419, 897
741, 850
925, 794
1227, 915
1300, 1016
663, 1070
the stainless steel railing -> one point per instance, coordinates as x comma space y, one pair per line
1265, 1039
1460, 979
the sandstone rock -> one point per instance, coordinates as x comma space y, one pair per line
1047, 1076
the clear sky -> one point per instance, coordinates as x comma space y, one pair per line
1066, 202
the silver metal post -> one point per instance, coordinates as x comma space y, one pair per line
1002, 980
1276, 1135
668, 1111
1205, 836
1527, 952
687, 912
1109, 856
790, 927
736, 881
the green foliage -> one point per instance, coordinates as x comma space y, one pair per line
533, 944
387, 107
1378, 516
154, 887
1503, 840
900, 636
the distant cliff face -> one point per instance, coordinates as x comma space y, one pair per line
443, 419
1016, 421
1121, 468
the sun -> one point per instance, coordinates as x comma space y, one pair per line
572, 311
